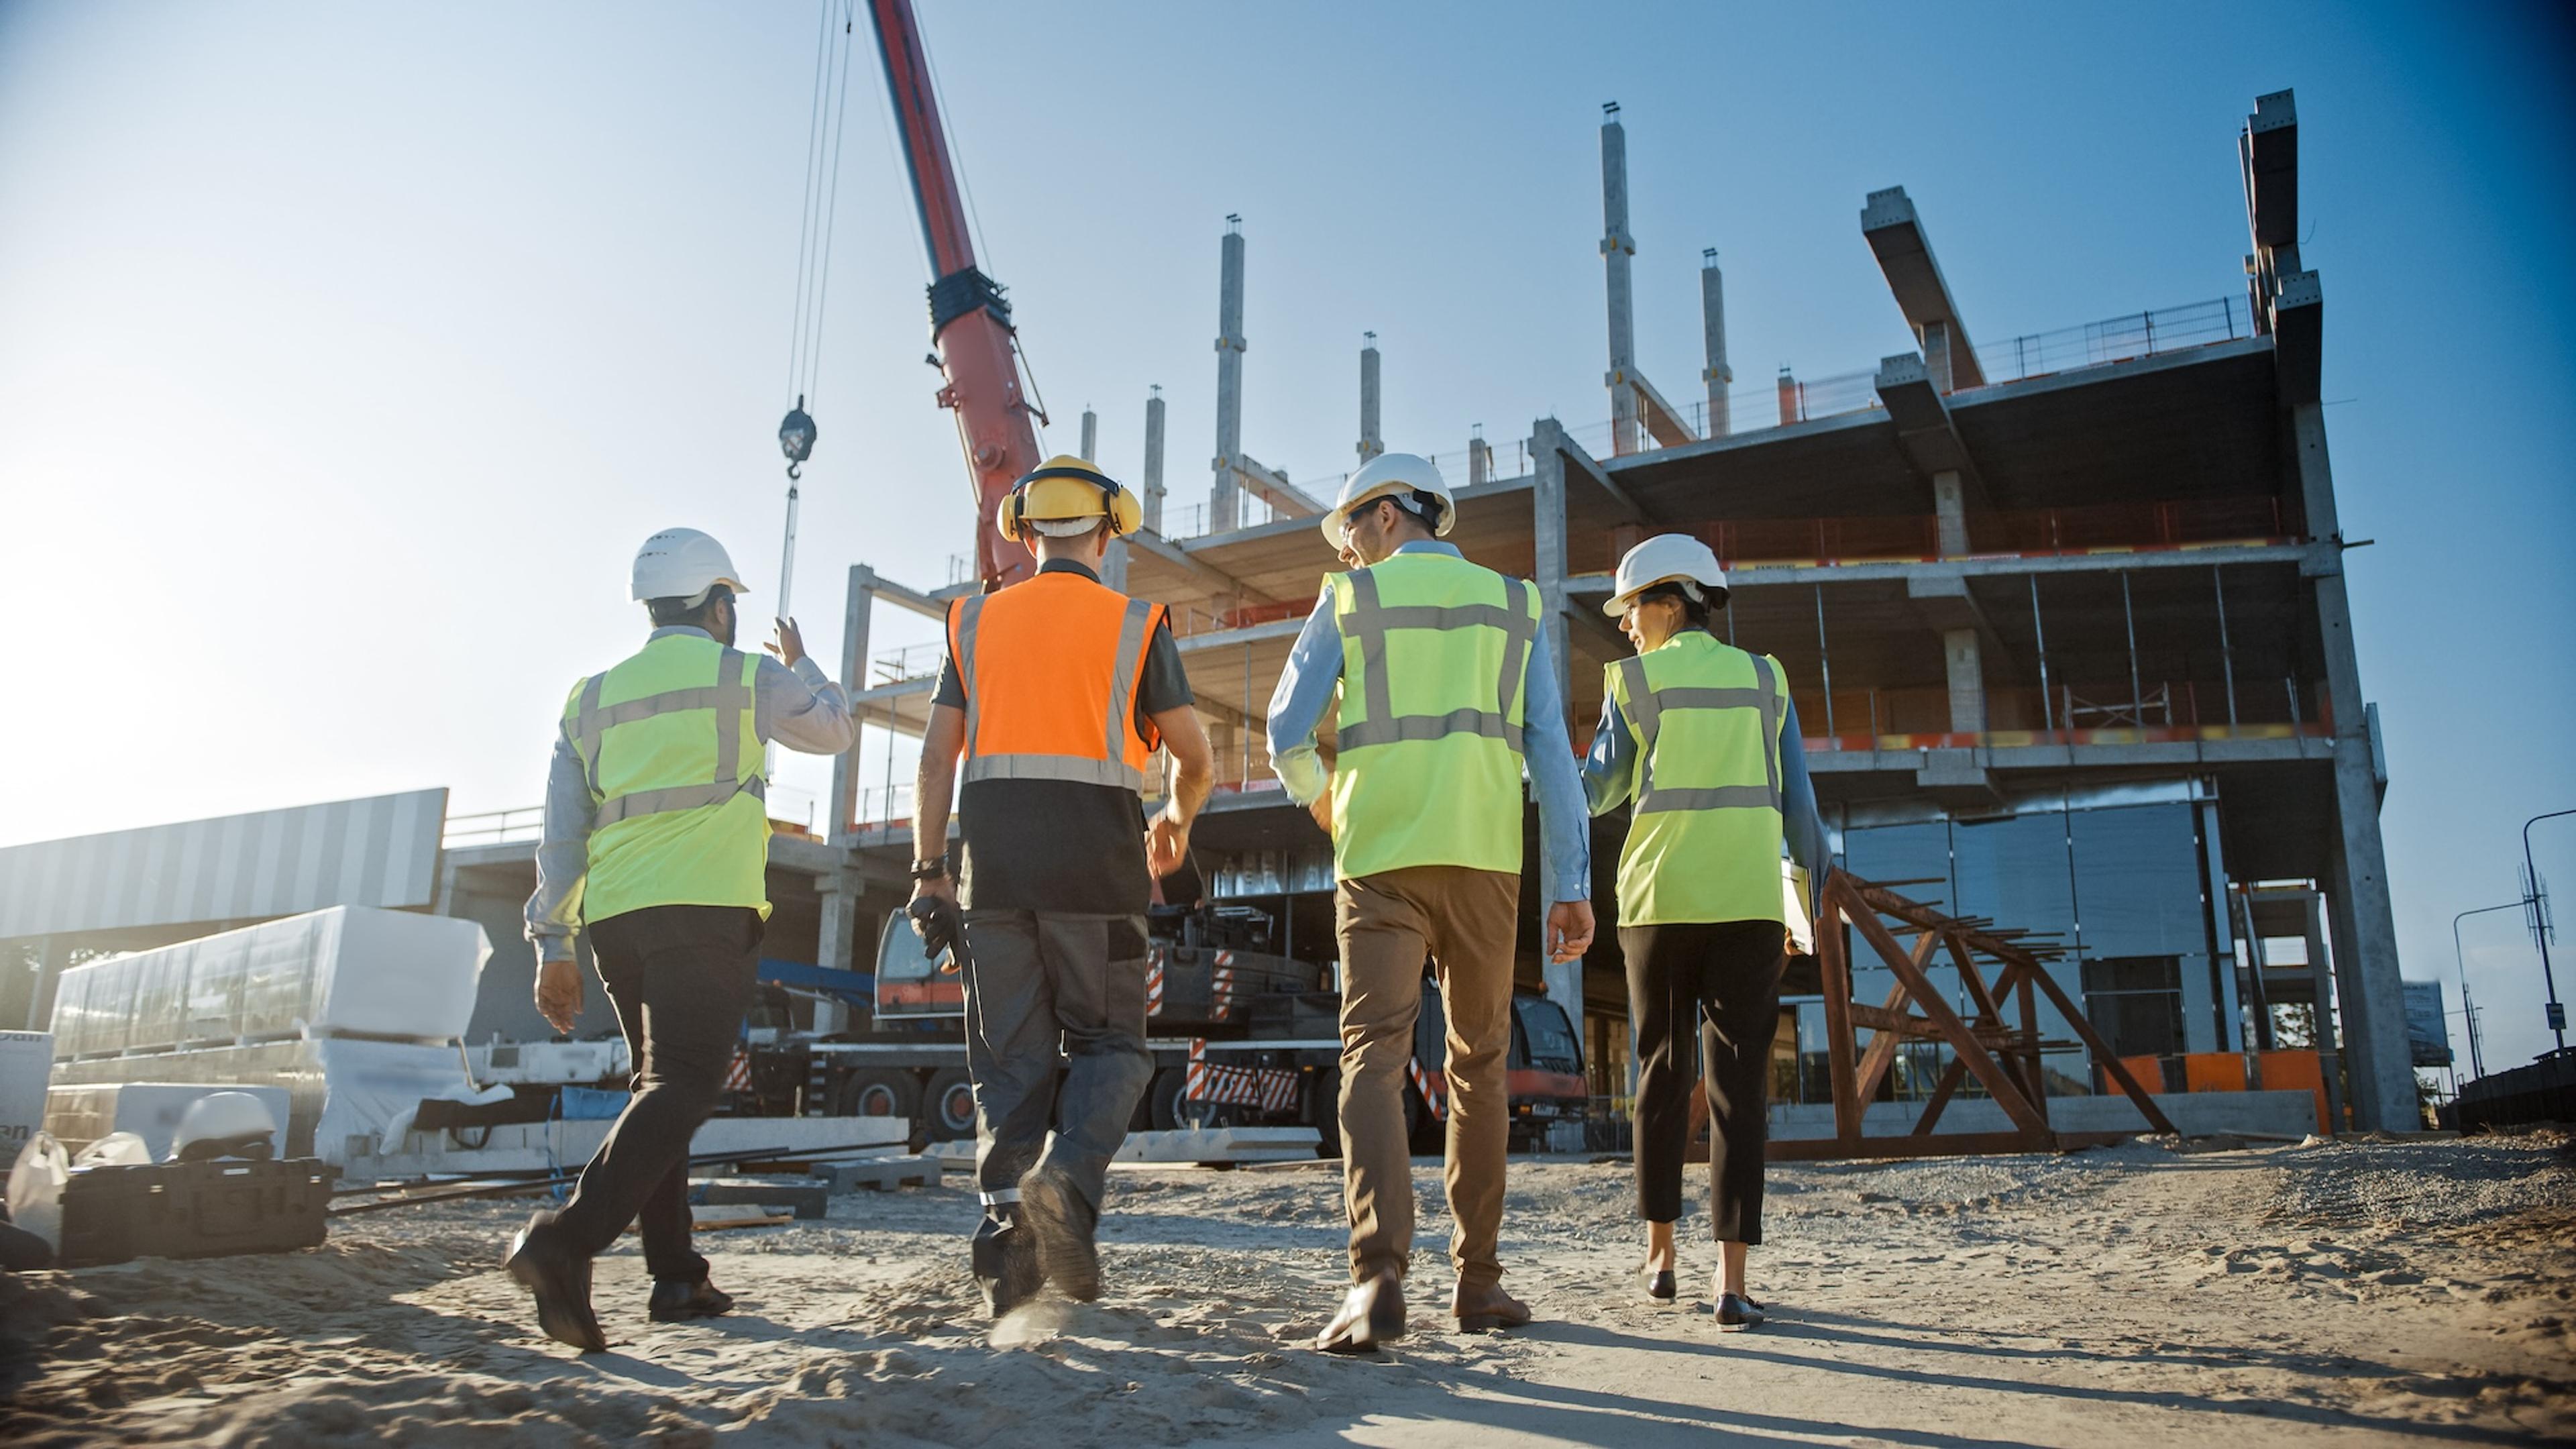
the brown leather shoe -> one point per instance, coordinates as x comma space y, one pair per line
1372, 1314
1482, 1310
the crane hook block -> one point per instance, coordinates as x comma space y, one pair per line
796, 437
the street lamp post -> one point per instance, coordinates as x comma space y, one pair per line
2540, 927
2477, 1059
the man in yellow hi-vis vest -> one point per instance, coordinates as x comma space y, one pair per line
1445, 685
657, 842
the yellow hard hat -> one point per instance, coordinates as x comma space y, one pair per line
1065, 488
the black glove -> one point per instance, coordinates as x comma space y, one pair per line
938, 921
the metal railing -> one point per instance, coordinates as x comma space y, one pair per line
1784, 400
789, 805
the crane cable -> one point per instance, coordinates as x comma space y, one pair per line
823, 132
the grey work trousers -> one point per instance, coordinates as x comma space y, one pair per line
1054, 998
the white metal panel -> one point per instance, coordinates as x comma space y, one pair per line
381, 851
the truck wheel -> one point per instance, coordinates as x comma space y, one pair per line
878, 1092
1173, 1109
948, 1107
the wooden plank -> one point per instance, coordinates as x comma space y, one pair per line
2101, 1050
1838, 1004
1951, 1076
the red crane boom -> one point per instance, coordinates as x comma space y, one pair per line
970, 321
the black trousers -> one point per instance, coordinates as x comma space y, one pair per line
1055, 1039
681, 978
1723, 977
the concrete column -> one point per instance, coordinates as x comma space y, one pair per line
1935, 337
1090, 436
1616, 248
1964, 652
1154, 460
839, 948
2365, 927
1712, 310
1224, 499
1371, 444
856, 607
1950, 514
1221, 743
1548, 447
1480, 457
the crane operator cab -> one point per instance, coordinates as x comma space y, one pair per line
911, 984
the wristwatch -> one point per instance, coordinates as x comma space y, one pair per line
935, 868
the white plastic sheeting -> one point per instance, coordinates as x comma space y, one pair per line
149, 1110
345, 970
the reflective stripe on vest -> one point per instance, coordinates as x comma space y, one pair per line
1369, 620
1650, 706
669, 748
1704, 831
1120, 763
1435, 660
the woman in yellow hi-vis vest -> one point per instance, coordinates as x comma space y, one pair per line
1702, 738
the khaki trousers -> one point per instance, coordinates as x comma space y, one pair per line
1466, 921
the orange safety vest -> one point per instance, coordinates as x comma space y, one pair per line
1051, 666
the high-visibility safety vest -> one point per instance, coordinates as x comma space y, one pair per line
1435, 659
1704, 837
1050, 666
669, 745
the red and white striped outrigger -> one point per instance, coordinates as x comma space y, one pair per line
1221, 987
1429, 1089
1154, 982
1268, 1089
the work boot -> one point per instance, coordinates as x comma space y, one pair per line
678, 1302
1372, 1314
1735, 1312
1482, 1310
1005, 1260
560, 1279
1062, 1223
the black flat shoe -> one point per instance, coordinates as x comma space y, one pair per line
1658, 1284
1735, 1312
561, 1283
680, 1302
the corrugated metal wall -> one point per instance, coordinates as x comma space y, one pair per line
380, 851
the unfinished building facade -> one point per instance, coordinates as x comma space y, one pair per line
2064, 615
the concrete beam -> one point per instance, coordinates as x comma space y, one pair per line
930, 606
1620, 498
1272, 487
1931, 441
2298, 337
1895, 236
1148, 542
1663, 422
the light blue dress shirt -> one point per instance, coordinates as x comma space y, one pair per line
800, 708
1610, 776
1306, 690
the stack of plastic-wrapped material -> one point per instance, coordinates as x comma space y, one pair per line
357, 1012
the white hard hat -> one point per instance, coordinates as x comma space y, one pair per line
682, 563
223, 1118
1390, 475
1667, 558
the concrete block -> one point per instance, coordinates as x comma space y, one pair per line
808, 1197
879, 1174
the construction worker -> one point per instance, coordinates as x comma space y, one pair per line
1704, 739
1444, 680
656, 841
1055, 693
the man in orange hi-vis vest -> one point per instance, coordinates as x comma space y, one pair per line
1055, 694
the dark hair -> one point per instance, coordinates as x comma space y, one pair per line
677, 612
1694, 611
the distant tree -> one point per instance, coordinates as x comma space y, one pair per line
2294, 1024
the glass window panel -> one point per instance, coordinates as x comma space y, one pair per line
2138, 881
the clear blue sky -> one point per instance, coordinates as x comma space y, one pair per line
347, 351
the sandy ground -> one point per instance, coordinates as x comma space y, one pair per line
2336, 1292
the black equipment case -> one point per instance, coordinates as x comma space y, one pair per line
207, 1209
